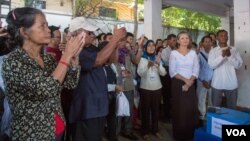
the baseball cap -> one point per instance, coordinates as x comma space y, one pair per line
81, 22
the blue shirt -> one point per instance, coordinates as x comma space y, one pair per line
206, 73
90, 98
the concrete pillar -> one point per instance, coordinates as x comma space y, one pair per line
227, 23
152, 19
242, 42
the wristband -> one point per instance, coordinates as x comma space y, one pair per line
64, 63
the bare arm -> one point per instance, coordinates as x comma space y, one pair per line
72, 48
138, 54
105, 53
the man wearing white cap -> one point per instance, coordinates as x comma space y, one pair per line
90, 99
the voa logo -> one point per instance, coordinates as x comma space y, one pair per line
236, 132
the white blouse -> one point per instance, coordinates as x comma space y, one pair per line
185, 65
150, 77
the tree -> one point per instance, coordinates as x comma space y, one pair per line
87, 8
188, 19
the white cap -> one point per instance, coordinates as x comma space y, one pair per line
81, 22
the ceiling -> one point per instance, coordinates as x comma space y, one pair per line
212, 7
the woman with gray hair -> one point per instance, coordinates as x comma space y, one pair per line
32, 78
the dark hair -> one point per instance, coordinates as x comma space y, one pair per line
194, 45
20, 17
66, 30
211, 33
106, 35
156, 42
102, 45
220, 31
129, 34
99, 37
158, 49
203, 38
170, 36
6, 46
53, 28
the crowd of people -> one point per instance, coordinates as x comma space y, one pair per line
64, 86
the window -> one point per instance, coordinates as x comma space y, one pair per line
39, 4
107, 12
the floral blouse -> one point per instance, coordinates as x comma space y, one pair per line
34, 95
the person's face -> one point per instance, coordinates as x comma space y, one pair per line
39, 32
130, 40
56, 39
184, 39
159, 43
151, 48
109, 37
68, 36
172, 42
222, 37
128, 46
207, 44
165, 43
89, 38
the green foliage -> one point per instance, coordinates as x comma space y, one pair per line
28, 2
187, 19
80, 5
140, 1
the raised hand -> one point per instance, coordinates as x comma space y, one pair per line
120, 33
75, 58
228, 52
74, 45
141, 41
158, 58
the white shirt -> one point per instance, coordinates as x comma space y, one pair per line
224, 76
150, 77
165, 54
185, 65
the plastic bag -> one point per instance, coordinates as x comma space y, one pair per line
122, 105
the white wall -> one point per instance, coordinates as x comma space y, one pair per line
106, 25
242, 42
